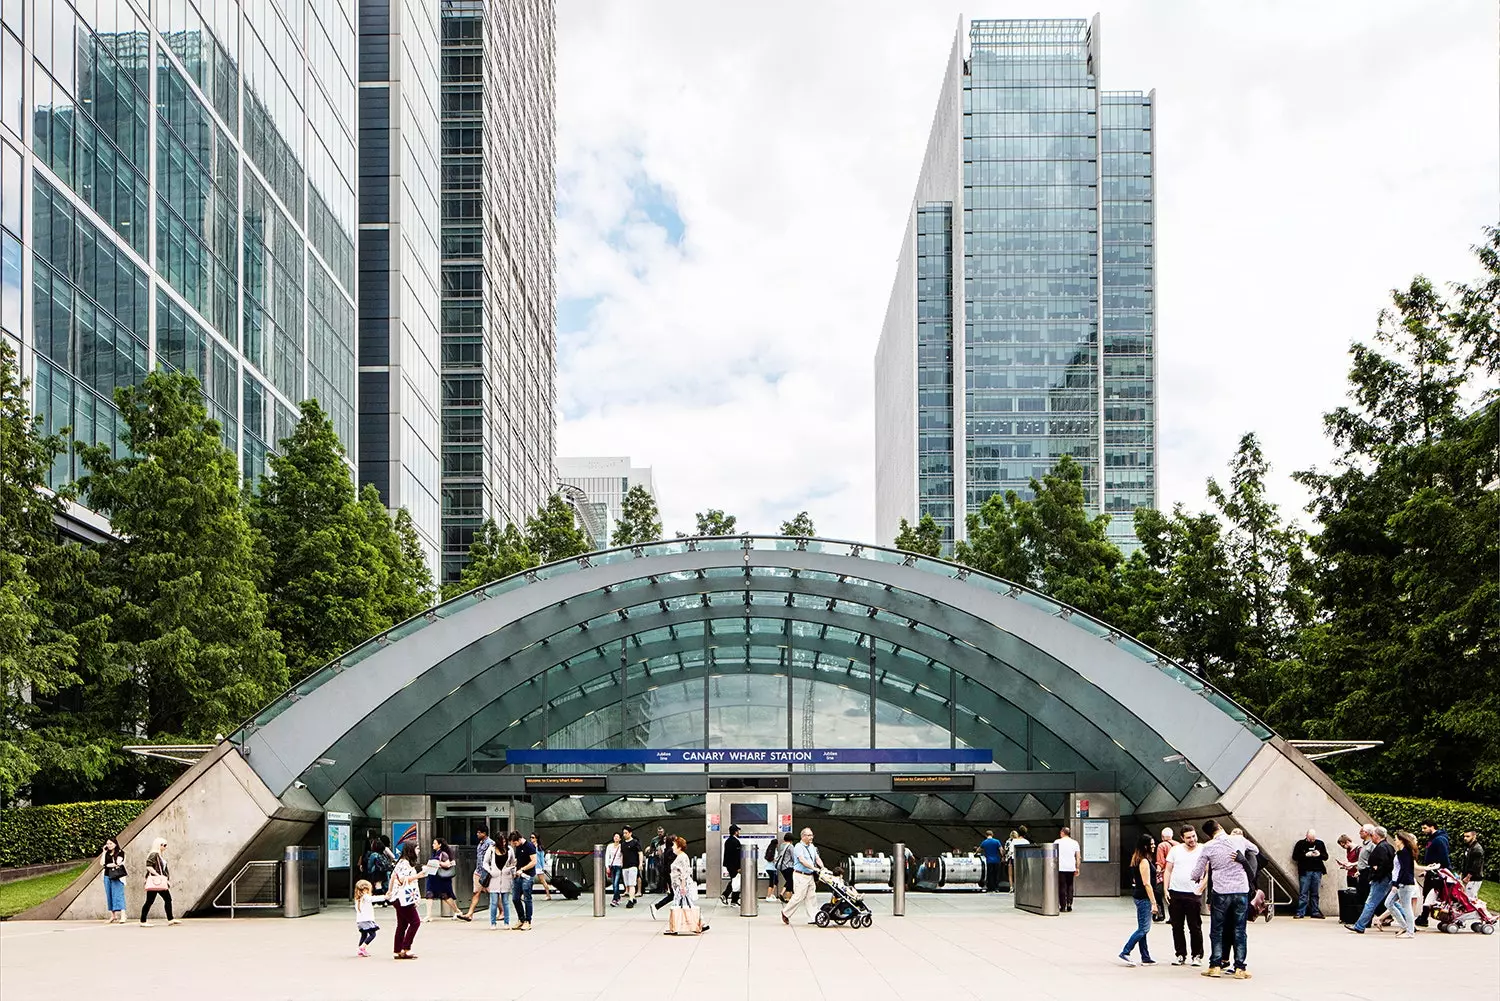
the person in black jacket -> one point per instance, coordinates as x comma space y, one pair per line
1309, 855
1436, 854
1473, 867
1382, 868
668, 856
732, 850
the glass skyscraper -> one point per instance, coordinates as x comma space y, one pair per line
251, 191
499, 295
1021, 324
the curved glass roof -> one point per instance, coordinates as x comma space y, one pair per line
1085, 624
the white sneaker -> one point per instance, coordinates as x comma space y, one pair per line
1126, 960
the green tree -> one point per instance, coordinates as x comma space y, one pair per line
190, 624
714, 522
640, 520
414, 583
38, 658
553, 533
1049, 542
925, 539
408, 586
1406, 646
799, 527
493, 555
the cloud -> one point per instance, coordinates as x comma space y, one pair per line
734, 182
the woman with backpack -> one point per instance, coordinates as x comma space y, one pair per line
378, 862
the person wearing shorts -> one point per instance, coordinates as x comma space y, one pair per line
630, 865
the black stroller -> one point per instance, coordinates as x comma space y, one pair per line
846, 906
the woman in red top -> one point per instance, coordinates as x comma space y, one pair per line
1351, 852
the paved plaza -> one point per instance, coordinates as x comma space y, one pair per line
947, 947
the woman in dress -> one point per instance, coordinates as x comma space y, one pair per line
684, 886
112, 862
403, 893
543, 862
1142, 881
440, 884
158, 883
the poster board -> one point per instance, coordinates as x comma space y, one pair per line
1095, 840
338, 840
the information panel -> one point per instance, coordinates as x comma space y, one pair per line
1095, 840
338, 840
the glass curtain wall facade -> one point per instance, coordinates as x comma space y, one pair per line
178, 193
1056, 356
399, 213
498, 316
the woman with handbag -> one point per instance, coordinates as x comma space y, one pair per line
683, 883
112, 862
500, 863
405, 893
158, 883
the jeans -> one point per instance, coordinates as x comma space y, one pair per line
521, 891
1402, 903
1142, 929
614, 880
499, 906
114, 896
1227, 912
1184, 909
1379, 889
1309, 884
407, 923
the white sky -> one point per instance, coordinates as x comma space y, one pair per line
1311, 156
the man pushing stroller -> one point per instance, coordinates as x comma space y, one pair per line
805, 865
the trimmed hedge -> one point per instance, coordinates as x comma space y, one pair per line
1408, 813
38, 835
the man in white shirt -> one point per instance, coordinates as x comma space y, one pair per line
1184, 897
1068, 854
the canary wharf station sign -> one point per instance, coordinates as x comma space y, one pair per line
751, 756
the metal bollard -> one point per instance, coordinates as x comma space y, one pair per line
898, 881
599, 881
749, 884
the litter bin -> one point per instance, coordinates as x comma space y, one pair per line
1036, 879
301, 881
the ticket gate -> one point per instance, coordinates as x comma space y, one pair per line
867, 872
951, 872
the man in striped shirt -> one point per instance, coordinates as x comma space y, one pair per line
1229, 898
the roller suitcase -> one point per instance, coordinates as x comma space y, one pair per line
1349, 906
565, 886
684, 921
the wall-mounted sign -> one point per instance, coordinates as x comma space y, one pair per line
751, 756
338, 841
936, 782
403, 833
1083, 808
566, 783
786, 823
713, 822
1096, 840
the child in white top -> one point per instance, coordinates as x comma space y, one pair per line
364, 914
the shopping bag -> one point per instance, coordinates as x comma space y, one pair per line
684, 921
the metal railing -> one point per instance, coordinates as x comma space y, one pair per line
257, 886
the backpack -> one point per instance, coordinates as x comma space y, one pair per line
771, 851
378, 863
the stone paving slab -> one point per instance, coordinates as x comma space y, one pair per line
947, 947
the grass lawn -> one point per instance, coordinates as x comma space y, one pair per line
17, 896
1489, 893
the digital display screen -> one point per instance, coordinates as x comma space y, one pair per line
752, 814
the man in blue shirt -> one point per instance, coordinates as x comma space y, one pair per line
805, 866
481, 875
990, 846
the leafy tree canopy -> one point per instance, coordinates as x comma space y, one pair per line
799, 527
640, 520
553, 533
493, 555
925, 539
714, 522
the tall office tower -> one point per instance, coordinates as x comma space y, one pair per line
177, 192
1021, 325
399, 342
499, 303
603, 482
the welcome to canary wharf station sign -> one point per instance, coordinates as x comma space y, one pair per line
751, 756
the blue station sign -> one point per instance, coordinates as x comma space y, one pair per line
752, 756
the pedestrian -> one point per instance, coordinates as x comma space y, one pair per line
732, 851
1309, 855
680, 878
773, 875
1020, 836
630, 865
668, 860
1163, 849
1068, 854
378, 865
1473, 865
112, 865
1223, 857
440, 883
657, 877
481, 874
613, 867
1351, 856
1362, 864
1401, 902
991, 847
404, 893
364, 915
1142, 889
158, 883
1434, 857
500, 862
1185, 898
805, 866
784, 864
521, 887
542, 862
1381, 868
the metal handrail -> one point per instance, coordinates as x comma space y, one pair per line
233, 888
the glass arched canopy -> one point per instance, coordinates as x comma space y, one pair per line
751, 641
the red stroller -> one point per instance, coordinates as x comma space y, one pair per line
1456, 910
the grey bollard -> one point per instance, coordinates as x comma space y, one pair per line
749, 883
599, 881
898, 881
